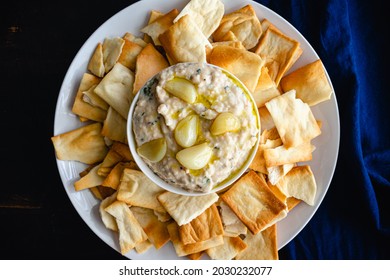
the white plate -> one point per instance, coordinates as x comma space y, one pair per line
132, 19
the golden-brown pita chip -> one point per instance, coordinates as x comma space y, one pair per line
292, 202
184, 42
116, 89
105, 191
244, 24
156, 231
196, 256
258, 163
299, 183
261, 246
85, 144
253, 202
184, 250
269, 134
130, 37
112, 48
96, 193
183, 209
108, 220
162, 216
114, 126
293, 119
90, 97
154, 14
142, 247
149, 62
96, 63
279, 53
244, 64
206, 14
228, 250
130, 231
275, 173
265, 89
160, 25
280, 155
129, 54
113, 178
232, 225
310, 83
92, 179
84, 109
207, 225
117, 152
137, 189
266, 120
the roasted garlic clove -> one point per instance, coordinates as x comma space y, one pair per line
182, 89
186, 131
225, 122
154, 150
195, 157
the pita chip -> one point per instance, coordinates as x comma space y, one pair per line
108, 219
310, 83
116, 89
206, 14
114, 126
228, 250
117, 152
184, 250
85, 109
149, 62
92, 179
293, 119
113, 178
90, 97
254, 203
112, 48
96, 63
184, 42
261, 246
207, 225
183, 209
130, 37
299, 183
129, 54
244, 64
85, 144
159, 26
258, 163
280, 155
142, 247
265, 89
232, 225
130, 231
138, 190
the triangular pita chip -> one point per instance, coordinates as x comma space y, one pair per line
108, 220
114, 126
116, 89
113, 178
232, 225
112, 48
96, 63
90, 97
228, 250
265, 89
130, 37
129, 54
92, 179
258, 163
85, 144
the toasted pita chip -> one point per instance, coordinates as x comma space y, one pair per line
96, 193
293, 119
117, 152
275, 189
281, 155
261, 246
138, 190
130, 37
275, 173
105, 191
232, 225
160, 25
90, 97
162, 216
108, 220
299, 183
130, 231
84, 109
228, 250
149, 62
258, 163
310, 83
92, 179
244, 24
244, 64
114, 126
96, 63
142, 247
113, 178
279, 53
266, 120
183, 209
196, 256
205, 226
184, 250
112, 48
265, 89
84, 144
129, 54
116, 89
184, 42
156, 231
269, 134
206, 14
254, 203
154, 14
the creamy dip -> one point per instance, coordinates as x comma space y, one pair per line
157, 113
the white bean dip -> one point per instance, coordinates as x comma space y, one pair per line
157, 113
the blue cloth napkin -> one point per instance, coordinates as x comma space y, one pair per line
353, 221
